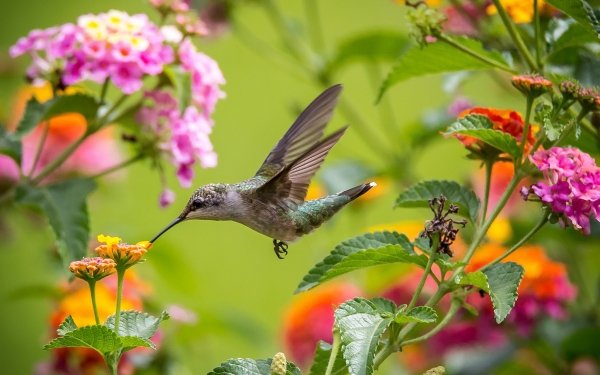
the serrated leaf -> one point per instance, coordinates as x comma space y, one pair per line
371, 46
504, 280
580, 11
419, 195
10, 145
575, 35
383, 305
367, 250
501, 282
97, 337
67, 325
65, 206
132, 342
136, 324
36, 112
360, 325
247, 366
480, 127
436, 58
419, 314
321, 360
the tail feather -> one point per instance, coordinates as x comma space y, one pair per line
357, 191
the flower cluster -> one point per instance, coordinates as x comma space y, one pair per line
503, 120
114, 44
185, 137
521, 11
92, 268
531, 85
124, 255
572, 185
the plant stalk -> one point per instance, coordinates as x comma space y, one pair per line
516, 37
335, 347
92, 284
519, 243
538, 35
432, 256
489, 165
40, 148
48, 169
454, 306
470, 52
116, 167
120, 277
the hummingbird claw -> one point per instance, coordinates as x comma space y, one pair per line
280, 248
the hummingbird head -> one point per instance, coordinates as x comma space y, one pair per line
206, 203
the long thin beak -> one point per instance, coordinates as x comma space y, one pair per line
171, 225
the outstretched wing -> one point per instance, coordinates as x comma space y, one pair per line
303, 134
290, 185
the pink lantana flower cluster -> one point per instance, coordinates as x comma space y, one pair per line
572, 187
114, 44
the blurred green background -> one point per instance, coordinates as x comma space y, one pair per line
223, 271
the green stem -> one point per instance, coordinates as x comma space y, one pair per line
481, 232
335, 347
475, 54
114, 365
103, 91
432, 255
120, 277
40, 148
121, 165
538, 35
525, 134
516, 37
48, 169
92, 284
454, 306
519, 243
386, 110
292, 44
314, 21
489, 165
104, 119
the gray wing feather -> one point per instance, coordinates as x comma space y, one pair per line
303, 134
290, 185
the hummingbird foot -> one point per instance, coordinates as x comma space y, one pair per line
280, 248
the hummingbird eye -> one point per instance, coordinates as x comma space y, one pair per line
197, 203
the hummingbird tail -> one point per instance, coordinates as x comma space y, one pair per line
359, 190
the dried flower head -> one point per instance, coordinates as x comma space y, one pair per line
442, 226
92, 268
531, 85
124, 255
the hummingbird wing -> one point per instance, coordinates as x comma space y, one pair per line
290, 185
303, 134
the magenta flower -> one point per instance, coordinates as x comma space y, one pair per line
116, 44
572, 187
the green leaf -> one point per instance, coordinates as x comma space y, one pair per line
97, 337
501, 281
321, 360
419, 195
504, 280
436, 58
9, 145
576, 35
481, 127
367, 250
582, 343
247, 366
136, 324
68, 325
360, 325
65, 206
372, 46
419, 314
132, 342
36, 112
580, 11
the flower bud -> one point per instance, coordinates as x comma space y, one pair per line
279, 364
531, 85
425, 22
92, 268
569, 89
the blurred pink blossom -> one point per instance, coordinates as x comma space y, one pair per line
463, 21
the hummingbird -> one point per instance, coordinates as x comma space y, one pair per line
272, 202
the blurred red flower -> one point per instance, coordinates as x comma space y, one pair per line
309, 318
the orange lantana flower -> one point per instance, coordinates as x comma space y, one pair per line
505, 120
